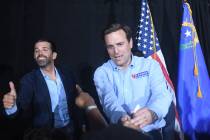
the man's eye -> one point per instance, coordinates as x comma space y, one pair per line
120, 44
109, 47
45, 50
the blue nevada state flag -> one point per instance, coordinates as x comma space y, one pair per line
193, 81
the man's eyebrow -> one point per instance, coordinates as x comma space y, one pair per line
42, 47
46, 47
120, 42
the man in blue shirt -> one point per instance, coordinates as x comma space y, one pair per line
131, 89
46, 95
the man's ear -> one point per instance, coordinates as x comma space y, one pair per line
131, 43
54, 55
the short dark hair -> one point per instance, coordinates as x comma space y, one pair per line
52, 44
115, 27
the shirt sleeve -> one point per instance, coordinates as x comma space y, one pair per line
161, 97
107, 96
10, 111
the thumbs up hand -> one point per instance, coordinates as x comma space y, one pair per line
9, 99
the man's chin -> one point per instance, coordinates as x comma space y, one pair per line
41, 65
118, 63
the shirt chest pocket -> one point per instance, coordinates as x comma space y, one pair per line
141, 86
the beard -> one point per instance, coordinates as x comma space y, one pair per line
43, 62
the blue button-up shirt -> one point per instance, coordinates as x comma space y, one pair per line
124, 91
58, 99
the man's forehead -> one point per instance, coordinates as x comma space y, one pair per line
42, 44
119, 32
115, 37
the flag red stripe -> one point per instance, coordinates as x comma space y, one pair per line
156, 57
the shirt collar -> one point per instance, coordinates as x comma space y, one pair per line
46, 76
117, 68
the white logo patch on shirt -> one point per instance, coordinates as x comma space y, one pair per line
139, 75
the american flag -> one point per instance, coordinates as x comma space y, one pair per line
148, 43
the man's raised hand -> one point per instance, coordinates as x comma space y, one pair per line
9, 99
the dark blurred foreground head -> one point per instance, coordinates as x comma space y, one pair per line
45, 134
116, 132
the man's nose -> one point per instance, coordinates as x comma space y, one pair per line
39, 53
116, 49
